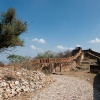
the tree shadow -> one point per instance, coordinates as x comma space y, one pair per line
96, 87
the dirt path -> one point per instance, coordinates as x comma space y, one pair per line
68, 88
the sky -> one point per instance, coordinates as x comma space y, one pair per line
55, 25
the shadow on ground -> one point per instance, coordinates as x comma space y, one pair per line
96, 87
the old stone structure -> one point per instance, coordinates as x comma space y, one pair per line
60, 64
65, 64
92, 54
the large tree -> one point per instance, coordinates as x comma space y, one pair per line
10, 30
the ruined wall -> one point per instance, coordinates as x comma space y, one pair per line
68, 66
94, 52
59, 64
90, 53
56, 60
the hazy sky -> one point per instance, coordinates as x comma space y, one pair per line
56, 25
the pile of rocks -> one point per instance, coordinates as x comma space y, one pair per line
14, 83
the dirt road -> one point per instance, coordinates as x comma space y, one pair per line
68, 88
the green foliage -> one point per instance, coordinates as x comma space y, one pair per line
19, 62
10, 29
16, 58
50, 54
47, 54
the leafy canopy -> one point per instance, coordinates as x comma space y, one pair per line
10, 29
47, 54
17, 58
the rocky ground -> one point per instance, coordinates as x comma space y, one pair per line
78, 84
68, 88
15, 83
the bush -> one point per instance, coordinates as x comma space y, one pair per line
2, 64
46, 70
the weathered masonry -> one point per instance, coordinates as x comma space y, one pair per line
59, 64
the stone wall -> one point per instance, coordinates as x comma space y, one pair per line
94, 52
60, 64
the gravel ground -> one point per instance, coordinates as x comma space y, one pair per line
68, 88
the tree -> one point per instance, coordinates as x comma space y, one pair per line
16, 58
10, 30
59, 55
67, 53
47, 54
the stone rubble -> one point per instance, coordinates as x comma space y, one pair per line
14, 83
